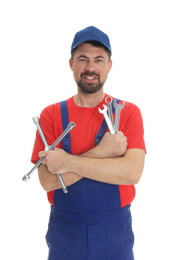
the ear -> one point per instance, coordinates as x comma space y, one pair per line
71, 64
110, 66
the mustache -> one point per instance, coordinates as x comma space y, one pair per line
89, 73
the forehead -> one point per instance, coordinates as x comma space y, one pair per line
90, 51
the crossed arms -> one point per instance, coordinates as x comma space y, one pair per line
108, 162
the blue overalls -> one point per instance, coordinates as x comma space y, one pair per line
88, 223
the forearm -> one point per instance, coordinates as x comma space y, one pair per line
106, 170
111, 146
125, 170
51, 182
108, 162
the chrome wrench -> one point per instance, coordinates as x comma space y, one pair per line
118, 109
36, 120
107, 119
70, 126
109, 104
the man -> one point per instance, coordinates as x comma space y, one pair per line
93, 220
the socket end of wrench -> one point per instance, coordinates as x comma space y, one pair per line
71, 125
36, 119
25, 178
65, 190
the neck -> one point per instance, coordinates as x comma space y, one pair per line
88, 100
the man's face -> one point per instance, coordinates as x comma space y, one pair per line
90, 66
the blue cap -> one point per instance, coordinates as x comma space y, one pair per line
91, 33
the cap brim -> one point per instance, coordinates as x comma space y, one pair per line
91, 39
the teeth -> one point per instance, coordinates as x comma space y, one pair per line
90, 77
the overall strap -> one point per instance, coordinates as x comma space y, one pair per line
104, 127
66, 143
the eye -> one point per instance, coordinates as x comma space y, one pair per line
99, 60
83, 60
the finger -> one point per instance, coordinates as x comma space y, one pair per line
43, 161
107, 134
125, 138
42, 154
121, 134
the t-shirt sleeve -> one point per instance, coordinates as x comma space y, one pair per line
47, 125
133, 128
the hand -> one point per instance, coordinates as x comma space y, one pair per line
113, 145
56, 160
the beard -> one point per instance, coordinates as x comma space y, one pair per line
89, 88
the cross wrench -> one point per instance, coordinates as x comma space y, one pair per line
117, 115
70, 126
107, 119
37, 122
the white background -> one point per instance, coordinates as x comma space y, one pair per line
34, 51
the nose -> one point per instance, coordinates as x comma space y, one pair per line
90, 66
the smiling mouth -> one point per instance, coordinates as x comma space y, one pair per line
90, 78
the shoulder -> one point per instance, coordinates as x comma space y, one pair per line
50, 110
53, 109
51, 114
130, 114
131, 118
131, 108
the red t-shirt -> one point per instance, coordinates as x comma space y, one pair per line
88, 122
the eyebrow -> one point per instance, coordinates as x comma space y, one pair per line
97, 57
82, 56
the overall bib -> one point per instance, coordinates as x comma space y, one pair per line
88, 222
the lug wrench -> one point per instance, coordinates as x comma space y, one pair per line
70, 126
37, 122
117, 115
107, 119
